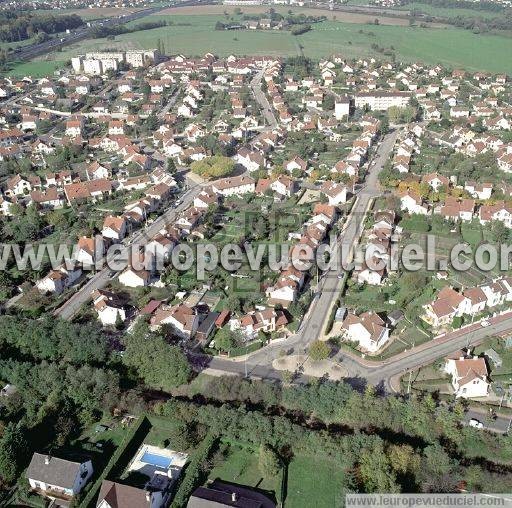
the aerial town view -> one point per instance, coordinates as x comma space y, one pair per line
255, 253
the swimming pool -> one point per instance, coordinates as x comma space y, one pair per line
156, 460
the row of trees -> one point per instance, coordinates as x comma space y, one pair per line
53, 340
100, 32
66, 379
22, 26
390, 453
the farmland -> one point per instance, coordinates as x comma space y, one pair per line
451, 12
90, 14
194, 34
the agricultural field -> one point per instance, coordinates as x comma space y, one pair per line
194, 34
450, 12
347, 17
90, 14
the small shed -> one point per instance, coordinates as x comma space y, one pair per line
395, 316
494, 357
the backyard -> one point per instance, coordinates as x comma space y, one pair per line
240, 465
314, 478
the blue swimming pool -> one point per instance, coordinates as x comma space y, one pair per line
156, 460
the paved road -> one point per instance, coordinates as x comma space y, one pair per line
259, 364
501, 424
103, 277
262, 100
33, 50
390, 370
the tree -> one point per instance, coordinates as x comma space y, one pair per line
13, 453
216, 166
180, 436
171, 166
319, 350
226, 340
500, 233
403, 459
401, 115
375, 470
157, 363
269, 463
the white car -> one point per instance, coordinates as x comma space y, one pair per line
485, 322
476, 424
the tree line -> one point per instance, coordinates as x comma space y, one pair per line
381, 444
67, 377
16, 27
100, 32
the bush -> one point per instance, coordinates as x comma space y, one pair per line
193, 475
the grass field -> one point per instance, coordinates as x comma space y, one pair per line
89, 14
311, 478
195, 35
447, 12
347, 17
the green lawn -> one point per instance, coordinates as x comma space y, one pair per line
240, 465
195, 35
314, 481
36, 68
88, 14
471, 234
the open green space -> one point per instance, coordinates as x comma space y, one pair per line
451, 12
314, 478
195, 35
88, 14
35, 68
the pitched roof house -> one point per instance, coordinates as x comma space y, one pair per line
58, 478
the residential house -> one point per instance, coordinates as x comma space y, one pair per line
336, 193
58, 478
234, 186
470, 376
183, 319
109, 307
118, 495
369, 330
89, 250
58, 280
448, 305
114, 228
267, 321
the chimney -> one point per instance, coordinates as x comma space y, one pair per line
234, 497
47, 459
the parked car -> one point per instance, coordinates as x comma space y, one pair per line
485, 322
476, 423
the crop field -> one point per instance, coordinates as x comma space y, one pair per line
195, 35
347, 17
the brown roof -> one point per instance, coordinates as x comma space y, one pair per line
118, 495
470, 368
